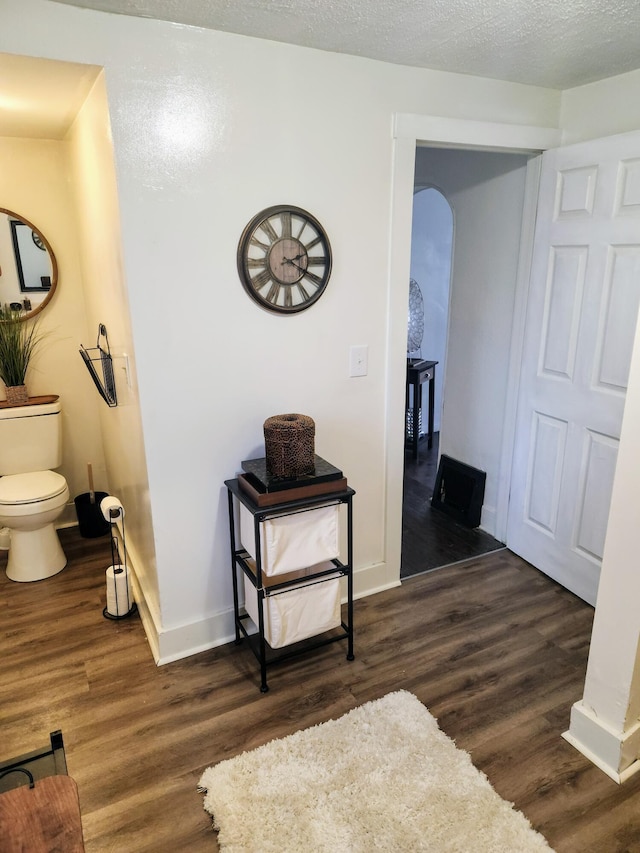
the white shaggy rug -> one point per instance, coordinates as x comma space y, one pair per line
382, 777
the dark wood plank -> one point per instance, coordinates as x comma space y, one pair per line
430, 538
493, 648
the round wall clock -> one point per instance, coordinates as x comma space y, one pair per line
284, 259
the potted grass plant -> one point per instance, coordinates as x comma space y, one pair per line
19, 340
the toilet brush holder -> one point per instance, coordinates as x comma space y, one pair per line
91, 524
91, 521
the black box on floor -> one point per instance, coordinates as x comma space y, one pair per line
459, 491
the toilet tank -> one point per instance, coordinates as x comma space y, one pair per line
30, 438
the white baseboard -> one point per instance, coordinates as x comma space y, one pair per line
68, 517
185, 640
149, 616
146, 617
488, 520
147, 607
168, 645
614, 752
372, 579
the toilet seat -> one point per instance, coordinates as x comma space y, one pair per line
30, 488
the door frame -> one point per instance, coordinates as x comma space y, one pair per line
409, 130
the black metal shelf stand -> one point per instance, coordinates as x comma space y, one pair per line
266, 656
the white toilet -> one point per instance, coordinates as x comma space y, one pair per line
32, 496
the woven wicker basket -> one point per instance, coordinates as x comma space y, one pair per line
17, 395
290, 445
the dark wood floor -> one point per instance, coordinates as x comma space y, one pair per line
430, 537
494, 649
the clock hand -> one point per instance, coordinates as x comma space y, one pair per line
294, 258
293, 263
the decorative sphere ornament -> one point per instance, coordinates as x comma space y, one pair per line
415, 329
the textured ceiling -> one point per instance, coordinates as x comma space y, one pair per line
557, 44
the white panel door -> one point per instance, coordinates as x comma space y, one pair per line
581, 320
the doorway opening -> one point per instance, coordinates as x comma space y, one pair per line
431, 538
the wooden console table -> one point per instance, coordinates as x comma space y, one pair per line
418, 372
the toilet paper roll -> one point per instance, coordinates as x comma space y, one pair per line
119, 593
108, 504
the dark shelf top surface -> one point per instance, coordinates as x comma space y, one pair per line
234, 488
323, 472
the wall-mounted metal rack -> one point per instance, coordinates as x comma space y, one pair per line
101, 354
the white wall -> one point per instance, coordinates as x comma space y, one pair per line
99, 248
486, 192
603, 108
431, 247
200, 146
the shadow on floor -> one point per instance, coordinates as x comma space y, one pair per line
431, 538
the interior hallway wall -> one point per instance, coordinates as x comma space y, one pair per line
431, 245
99, 248
486, 193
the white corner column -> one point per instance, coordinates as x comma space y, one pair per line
605, 724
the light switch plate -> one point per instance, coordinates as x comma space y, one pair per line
358, 360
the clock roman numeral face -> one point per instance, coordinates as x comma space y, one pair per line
284, 259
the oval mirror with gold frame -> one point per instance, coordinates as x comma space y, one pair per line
28, 267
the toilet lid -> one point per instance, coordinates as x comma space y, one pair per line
30, 488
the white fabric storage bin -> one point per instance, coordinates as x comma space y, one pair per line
303, 610
294, 541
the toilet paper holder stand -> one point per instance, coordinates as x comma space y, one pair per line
120, 562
